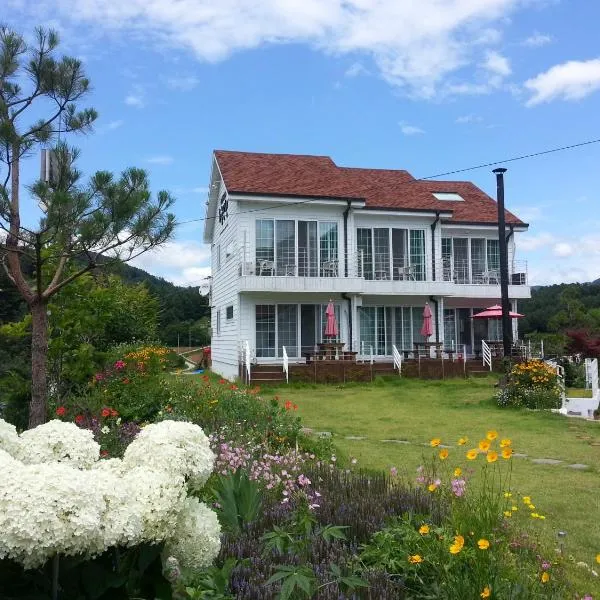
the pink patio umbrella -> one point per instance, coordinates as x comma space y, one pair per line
427, 328
331, 327
495, 312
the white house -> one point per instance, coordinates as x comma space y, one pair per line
289, 233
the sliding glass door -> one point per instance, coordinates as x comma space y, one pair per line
308, 250
380, 327
470, 260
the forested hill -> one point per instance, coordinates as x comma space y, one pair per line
183, 312
557, 308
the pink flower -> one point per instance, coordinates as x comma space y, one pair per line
99, 376
302, 480
458, 487
119, 365
393, 472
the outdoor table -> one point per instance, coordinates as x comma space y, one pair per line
330, 350
423, 348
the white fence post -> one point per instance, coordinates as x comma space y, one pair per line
286, 366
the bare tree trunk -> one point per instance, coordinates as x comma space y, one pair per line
39, 358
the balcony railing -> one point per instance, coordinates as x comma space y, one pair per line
382, 268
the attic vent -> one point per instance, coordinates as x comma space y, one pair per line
449, 196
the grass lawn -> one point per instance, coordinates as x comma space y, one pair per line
578, 393
416, 411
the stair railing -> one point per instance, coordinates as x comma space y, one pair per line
371, 350
247, 361
486, 354
397, 359
286, 364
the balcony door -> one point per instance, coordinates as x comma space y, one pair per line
308, 249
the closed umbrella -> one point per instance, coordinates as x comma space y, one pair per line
427, 328
331, 327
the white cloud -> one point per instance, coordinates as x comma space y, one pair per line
410, 129
115, 124
356, 69
414, 45
135, 100
162, 159
536, 40
529, 242
572, 80
464, 119
563, 249
182, 262
497, 64
182, 83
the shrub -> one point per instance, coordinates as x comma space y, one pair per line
533, 384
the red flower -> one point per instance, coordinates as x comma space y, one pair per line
60, 411
222, 381
234, 387
105, 412
205, 377
126, 380
104, 453
113, 413
288, 405
295, 407
79, 419
119, 365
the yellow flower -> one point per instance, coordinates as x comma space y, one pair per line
492, 456
435, 442
515, 508
443, 454
542, 517
424, 529
507, 514
457, 546
491, 435
484, 445
505, 443
507, 495
457, 472
483, 544
545, 577
598, 558
415, 559
527, 499
486, 592
472, 454
463, 441
534, 515
531, 507
432, 487
506, 453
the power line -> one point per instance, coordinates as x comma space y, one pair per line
454, 172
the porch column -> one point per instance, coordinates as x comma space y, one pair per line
515, 322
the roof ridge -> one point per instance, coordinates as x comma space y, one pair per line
252, 153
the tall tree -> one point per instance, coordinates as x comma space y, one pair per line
89, 225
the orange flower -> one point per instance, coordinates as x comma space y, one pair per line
491, 435
484, 445
483, 544
492, 456
506, 452
443, 454
463, 441
545, 577
435, 442
505, 443
457, 472
472, 454
486, 593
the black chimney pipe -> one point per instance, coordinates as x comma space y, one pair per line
506, 324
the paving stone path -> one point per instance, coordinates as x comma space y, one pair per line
537, 461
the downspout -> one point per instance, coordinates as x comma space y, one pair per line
433, 227
346, 297
512, 258
346, 238
437, 318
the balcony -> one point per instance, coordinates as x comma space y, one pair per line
380, 275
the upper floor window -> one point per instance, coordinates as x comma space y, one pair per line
471, 260
290, 247
391, 253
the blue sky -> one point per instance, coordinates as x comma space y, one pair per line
428, 86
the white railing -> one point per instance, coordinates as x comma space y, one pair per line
247, 363
371, 355
286, 364
397, 359
296, 263
591, 375
486, 354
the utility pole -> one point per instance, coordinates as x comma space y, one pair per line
506, 324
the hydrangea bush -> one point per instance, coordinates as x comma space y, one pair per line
58, 498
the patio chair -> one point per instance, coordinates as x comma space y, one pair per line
266, 266
406, 273
329, 268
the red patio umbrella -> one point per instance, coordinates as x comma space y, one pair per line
495, 312
331, 327
427, 328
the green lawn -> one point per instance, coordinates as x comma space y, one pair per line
416, 411
578, 393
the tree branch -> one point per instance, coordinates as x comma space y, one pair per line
50, 291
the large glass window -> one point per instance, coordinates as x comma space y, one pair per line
391, 253
265, 330
285, 247
328, 246
449, 329
478, 260
287, 329
493, 255
265, 247
308, 251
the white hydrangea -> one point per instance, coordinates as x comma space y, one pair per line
196, 539
57, 441
175, 446
57, 498
9, 438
